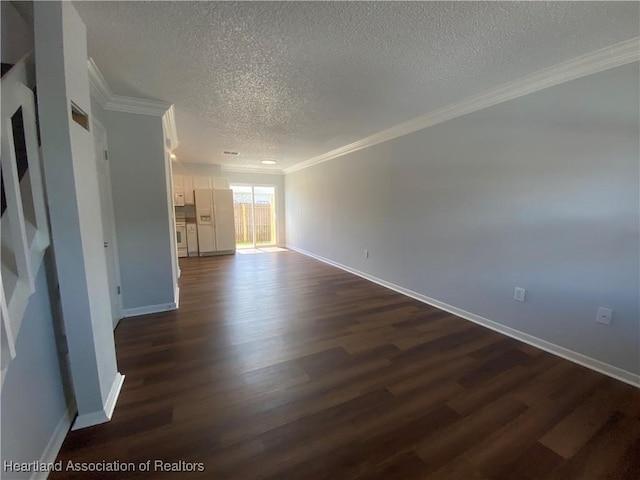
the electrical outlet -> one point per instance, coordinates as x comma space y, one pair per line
366, 254
604, 316
519, 294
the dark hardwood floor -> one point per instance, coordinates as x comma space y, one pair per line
278, 366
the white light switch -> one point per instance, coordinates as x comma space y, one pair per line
519, 294
604, 316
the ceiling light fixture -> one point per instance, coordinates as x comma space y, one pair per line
269, 162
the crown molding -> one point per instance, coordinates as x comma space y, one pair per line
119, 103
141, 106
98, 85
170, 129
600, 60
242, 169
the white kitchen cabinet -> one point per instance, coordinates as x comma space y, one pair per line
184, 186
183, 190
178, 191
187, 183
224, 219
177, 181
202, 182
220, 183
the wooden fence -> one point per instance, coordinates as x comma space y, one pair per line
265, 224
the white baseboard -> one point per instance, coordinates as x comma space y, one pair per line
101, 416
137, 311
218, 253
55, 442
579, 358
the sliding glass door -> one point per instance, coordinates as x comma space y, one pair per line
264, 215
255, 215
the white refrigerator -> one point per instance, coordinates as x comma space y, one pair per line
214, 220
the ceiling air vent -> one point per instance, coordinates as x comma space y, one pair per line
233, 154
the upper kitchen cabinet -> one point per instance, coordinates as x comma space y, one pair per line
182, 190
178, 191
184, 185
187, 186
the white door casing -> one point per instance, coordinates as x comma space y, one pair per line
108, 219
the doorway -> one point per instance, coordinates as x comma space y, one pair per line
108, 219
254, 211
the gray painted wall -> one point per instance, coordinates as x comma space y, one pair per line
17, 35
34, 384
539, 192
197, 169
33, 387
138, 181
99, 113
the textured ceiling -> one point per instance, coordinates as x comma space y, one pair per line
291, 80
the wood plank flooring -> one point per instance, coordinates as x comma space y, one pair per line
277, 366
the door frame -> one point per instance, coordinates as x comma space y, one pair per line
99, 129
275, 208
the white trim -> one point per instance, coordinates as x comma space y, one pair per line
101, 416
17, 307
217, 253
140, 106
603, 59
575, 357
276, 200
28, 252
137, 311
243, 169
114, 393
90, 419
99, 129
55, 442
170, 129
41, 239
98, 85
119, 103
7, 345
15, 96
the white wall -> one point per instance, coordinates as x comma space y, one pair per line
138, 182
199, 169
539, 192
74, 205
